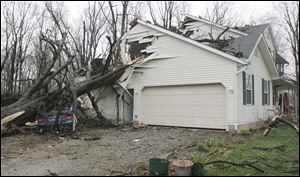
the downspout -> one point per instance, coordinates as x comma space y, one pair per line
246, 66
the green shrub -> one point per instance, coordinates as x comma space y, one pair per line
245, 132
198, 158
215, 142
202, 147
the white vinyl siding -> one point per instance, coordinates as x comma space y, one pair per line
253, 113
201, 31
184, 64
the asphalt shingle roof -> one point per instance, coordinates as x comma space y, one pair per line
245, 44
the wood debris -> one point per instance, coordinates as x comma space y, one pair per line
276, 120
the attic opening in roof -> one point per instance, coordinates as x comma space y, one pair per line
138, 48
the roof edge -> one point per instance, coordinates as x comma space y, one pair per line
270, 56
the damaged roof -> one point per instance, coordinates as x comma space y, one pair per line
242, 46
193, 42
246, 44
239, 48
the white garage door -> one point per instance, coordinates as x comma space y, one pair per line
200, 106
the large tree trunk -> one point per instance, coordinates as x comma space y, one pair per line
31, 103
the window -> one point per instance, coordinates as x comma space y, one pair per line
265, 92
248, 89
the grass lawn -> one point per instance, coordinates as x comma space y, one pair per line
275, 154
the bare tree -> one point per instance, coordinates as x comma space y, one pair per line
221, 12
288, 15
135, 10
115, 28
60, 43
164, 11
19, 29
93, 29
181, 8
124, 16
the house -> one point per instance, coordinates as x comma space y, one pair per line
203, 75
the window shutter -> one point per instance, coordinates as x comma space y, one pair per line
262, 86
244, 88
253, 89
269, 93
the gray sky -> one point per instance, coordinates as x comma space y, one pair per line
245, 9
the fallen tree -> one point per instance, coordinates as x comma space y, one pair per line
276, 120
27, 103
67, 90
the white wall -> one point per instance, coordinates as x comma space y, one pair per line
270, 42
201, 31
107, 103
252, 113
185, 64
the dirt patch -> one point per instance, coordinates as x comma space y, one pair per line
96, 152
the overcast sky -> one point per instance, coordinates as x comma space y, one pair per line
245, 9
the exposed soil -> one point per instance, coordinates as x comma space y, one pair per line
97, 151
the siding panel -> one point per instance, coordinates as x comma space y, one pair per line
253, 113
190, 65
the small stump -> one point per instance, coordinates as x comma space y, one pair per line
183, 167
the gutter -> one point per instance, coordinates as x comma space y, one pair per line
244, 68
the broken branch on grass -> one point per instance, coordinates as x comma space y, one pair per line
243, 164
276, 120
295, 169
279, 147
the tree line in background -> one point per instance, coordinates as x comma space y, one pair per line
37, 39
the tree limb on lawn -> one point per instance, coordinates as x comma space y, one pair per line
243, 164
276, 120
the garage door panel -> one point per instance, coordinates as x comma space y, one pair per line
185, 98
177, 110
190, 90
189, 122
188, 106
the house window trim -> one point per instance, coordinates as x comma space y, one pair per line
266, 93
249, 76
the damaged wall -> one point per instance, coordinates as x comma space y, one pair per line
201, 30
176, 62
119, 111
106, 99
